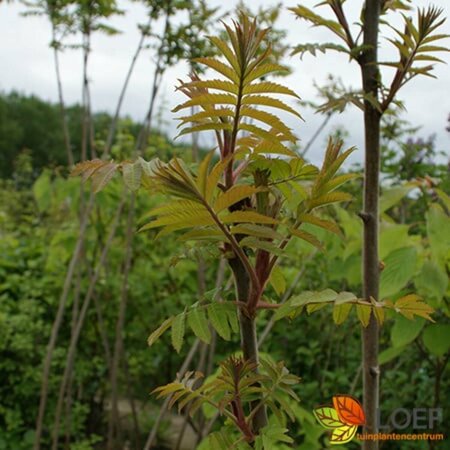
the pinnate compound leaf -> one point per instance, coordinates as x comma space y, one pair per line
159, 331
343, 434
328, 417
349, 410
199, 324
178, 329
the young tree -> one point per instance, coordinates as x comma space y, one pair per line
250, 205
416, 44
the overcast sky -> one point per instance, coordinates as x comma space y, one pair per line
26, 65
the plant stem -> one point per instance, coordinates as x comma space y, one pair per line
371, 271
249, 342
76, 334
118, 343
113, 126
62, 107
58, 321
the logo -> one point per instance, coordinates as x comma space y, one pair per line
342, 418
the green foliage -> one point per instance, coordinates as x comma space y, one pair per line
237, 385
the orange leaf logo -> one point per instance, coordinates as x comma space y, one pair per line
349, 410
342, 420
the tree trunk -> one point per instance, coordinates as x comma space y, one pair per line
249, 341
371, 271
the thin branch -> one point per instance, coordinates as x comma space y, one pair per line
58, 321
113, 126
118, 344
75, 337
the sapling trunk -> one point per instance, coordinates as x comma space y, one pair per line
371, 269
62, 107
249, 340
58, 321
82, 315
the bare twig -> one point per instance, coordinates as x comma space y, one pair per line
58, 321
75, 337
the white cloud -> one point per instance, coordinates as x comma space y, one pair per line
27, 66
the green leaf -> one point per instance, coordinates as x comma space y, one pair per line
405, 331
218, 316
248, 216
198, 322
132, 174
42, 190
269, 101
325, 224
432, 281
256, 243
438, 230
234, 195
220, 67
392, 196
341, 312
277, 280
400, 266
308, 237
436, 338
363, 312
268, 87
392, 237
178, 329
333, 197
207, 99
389, 354
159, 331
260, 231
263, 70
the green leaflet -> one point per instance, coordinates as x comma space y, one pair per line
198, 322
436, 338
223, 318
400, 266
308, 237
234, 195
249, 217
159, 331
178, 329
132, 174
259, 231
277, 280
341, 312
